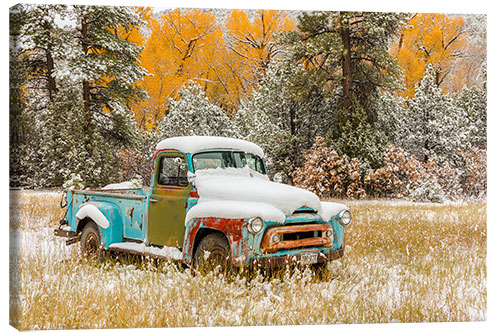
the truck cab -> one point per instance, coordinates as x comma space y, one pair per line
210, 200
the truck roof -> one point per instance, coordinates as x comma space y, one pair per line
193, 144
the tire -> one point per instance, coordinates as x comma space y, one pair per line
213, 251
90, 242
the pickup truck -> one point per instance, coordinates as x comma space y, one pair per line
210, 201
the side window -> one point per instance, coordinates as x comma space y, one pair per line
254, 163
173, 171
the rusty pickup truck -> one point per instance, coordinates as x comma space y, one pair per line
210, 201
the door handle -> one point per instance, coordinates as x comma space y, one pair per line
153, 200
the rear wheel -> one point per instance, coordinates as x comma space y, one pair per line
213, 251
90, 242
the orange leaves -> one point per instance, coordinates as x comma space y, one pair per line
178, 50
252, 43
226, 59
328, 174
475, 175
428, 39
394, 179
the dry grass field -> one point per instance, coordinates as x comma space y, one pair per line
404, 262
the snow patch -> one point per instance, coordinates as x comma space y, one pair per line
166, 251
231, 209
232, 193
193, 144
330, 209
93, 213
121, 186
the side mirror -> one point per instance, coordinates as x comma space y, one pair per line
278, 178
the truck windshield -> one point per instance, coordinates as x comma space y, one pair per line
228, 159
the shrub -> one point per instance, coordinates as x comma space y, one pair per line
428, 190
327, 173
445, 176
473, 178
400, 172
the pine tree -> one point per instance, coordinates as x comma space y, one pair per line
80, 81
17, 103
107, 67
282, 120
37, 45
347, 50
392, 118
194, 114
359, 139
435, 122
471, 104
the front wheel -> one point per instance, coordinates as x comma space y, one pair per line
90, 242
213, 251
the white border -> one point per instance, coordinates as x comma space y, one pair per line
446, 6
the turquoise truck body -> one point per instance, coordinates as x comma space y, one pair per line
125, 216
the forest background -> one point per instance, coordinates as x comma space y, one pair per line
349, 104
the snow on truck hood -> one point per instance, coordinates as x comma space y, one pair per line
243, 193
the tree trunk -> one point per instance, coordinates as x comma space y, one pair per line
87, 127
85, 83
292, 121
346, 67
51, 80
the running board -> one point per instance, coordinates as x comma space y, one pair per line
166, 252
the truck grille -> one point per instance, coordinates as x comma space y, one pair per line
297, 236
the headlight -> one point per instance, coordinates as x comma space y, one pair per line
255, 225
345, 217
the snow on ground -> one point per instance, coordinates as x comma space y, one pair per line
383, 277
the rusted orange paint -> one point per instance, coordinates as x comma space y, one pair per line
267, 245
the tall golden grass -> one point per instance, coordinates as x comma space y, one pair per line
404, 262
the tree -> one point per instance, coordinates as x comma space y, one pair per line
471, 105
392, 118
179, 48
37, 45
194, 114
107, 67
294, 119
17, 103
435, 122
358, 139
80, 81
250, 46
468, 66
435, 39
347, 50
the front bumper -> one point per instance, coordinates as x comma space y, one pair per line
282, 260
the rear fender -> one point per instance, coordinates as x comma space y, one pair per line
107, 217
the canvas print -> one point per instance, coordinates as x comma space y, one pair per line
174, 167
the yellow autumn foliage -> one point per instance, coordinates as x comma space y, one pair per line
429, 39
225, 59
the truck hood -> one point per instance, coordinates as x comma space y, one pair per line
227, 194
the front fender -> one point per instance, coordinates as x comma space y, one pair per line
233, 229
108, 218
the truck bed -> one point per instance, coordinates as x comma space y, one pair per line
132, 193
126, 210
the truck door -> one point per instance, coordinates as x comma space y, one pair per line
167, 206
